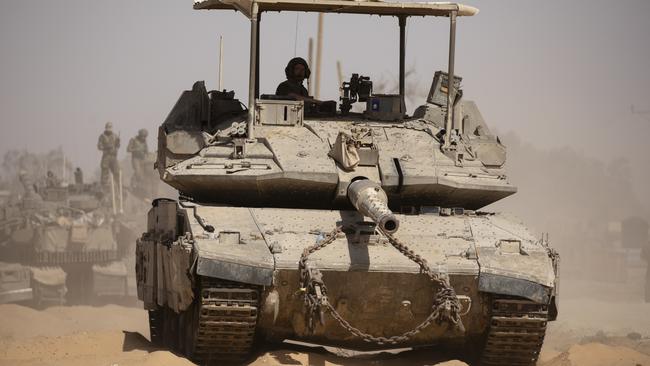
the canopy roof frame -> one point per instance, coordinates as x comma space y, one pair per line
443, 9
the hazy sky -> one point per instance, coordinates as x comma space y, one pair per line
557, 73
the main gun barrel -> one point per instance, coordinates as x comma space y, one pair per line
371, 201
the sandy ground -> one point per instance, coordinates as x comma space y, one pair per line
590, 331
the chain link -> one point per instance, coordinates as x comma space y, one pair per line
446, 306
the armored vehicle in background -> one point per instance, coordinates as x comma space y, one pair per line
15, 283
64, 237
354, 230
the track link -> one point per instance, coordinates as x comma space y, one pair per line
516, 332
227, 317
156, 326
218, 327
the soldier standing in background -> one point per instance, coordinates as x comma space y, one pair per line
139, 150
28, 186
109, 143
78, 177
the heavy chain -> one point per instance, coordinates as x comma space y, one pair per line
315, 292
446, 307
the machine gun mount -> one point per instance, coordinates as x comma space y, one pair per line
358, 89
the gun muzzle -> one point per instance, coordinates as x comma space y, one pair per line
371, 201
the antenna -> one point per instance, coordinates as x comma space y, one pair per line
319, 55
220, 63
295, 40
339, 71
63, 175
310, 61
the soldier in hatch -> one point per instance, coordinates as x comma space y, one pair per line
51, 181
296, 72
139, 150
108, 144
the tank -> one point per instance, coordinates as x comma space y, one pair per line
15, 284
65, 237
361, 230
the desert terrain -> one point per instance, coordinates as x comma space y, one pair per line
593, 328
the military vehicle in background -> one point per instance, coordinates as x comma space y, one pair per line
65, 238
15, 283
354, 230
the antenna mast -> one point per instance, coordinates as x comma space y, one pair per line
310, 61
220, 63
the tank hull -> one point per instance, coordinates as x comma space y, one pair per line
370, 284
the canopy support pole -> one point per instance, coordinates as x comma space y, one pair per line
451, 92
252, 70
257, 56
402, 54
319, 55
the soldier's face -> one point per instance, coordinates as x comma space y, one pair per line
299, 72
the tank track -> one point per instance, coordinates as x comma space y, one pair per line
218, 327
227, 318
156, 323
516, 332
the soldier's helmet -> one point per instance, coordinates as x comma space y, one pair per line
108, 126
289, 70
143, 133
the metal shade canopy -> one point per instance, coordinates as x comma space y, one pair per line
253, 10
341, 6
